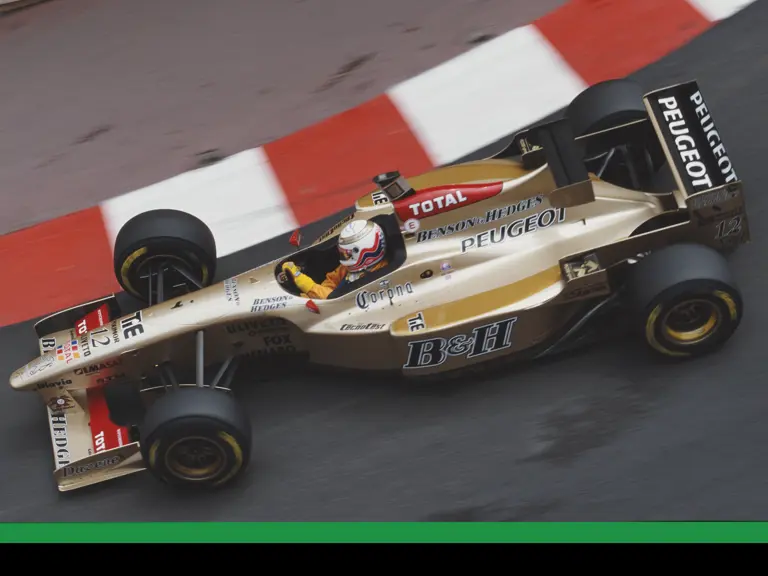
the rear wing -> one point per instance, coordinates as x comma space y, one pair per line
691, 142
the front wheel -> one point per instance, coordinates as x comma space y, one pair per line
163, 254
684, 300
197, 437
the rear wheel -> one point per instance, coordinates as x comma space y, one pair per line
684, 300
163, 254
196, 436
606, 105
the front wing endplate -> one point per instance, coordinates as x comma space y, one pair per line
100, 467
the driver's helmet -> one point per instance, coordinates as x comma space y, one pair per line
361, 245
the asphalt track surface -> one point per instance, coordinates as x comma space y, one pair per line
101, 98
606, 434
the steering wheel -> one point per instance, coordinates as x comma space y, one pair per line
284, 278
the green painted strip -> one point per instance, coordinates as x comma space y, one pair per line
212, 532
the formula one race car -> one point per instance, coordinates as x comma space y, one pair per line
618, 215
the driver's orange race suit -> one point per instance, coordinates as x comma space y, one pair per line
311, 289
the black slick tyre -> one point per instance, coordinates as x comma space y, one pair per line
196, 437
177, 241
684, 301
605, 105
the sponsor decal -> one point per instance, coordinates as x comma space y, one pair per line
99, 442
708, 199
482, 340
441, 199
60, 403
55, 384
111, 378
60, 436
92, 320
713, 137
543, 219
490, 216
97, 367
80, 469
445, 268
105, 434
68, 351
365, 298
379, 198
256, 327
449, 229
411, 225
85, 345
132, 325
275, 345
272, 303
230, 291
416, 323
353, 327
40, 363
325, 235
512, 209
48, 344
115, 332
586, 291
278, 340
705, 168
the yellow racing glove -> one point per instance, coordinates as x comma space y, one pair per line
302, 281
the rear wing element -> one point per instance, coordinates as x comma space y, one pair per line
554, 143
693, 146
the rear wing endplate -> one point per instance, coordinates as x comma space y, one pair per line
691, 142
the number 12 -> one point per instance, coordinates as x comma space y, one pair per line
728, 227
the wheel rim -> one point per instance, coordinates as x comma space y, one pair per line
195, 458
692, 321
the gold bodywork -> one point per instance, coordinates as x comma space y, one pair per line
461, 297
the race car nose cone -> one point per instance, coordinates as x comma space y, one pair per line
17, 379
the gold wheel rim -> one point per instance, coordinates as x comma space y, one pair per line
691, 322
195, 458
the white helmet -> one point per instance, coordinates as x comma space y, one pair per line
361, 245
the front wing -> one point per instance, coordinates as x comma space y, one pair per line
88, 448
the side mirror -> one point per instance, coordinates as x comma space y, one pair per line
295, 238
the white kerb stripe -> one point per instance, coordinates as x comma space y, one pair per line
714, 10
486, 93
239, 198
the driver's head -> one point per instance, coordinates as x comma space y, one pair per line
361, 245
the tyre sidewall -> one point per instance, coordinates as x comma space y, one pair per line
605, 105
724, 297
228, 439
163, 232
129, 262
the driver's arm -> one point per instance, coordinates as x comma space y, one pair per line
309, 287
